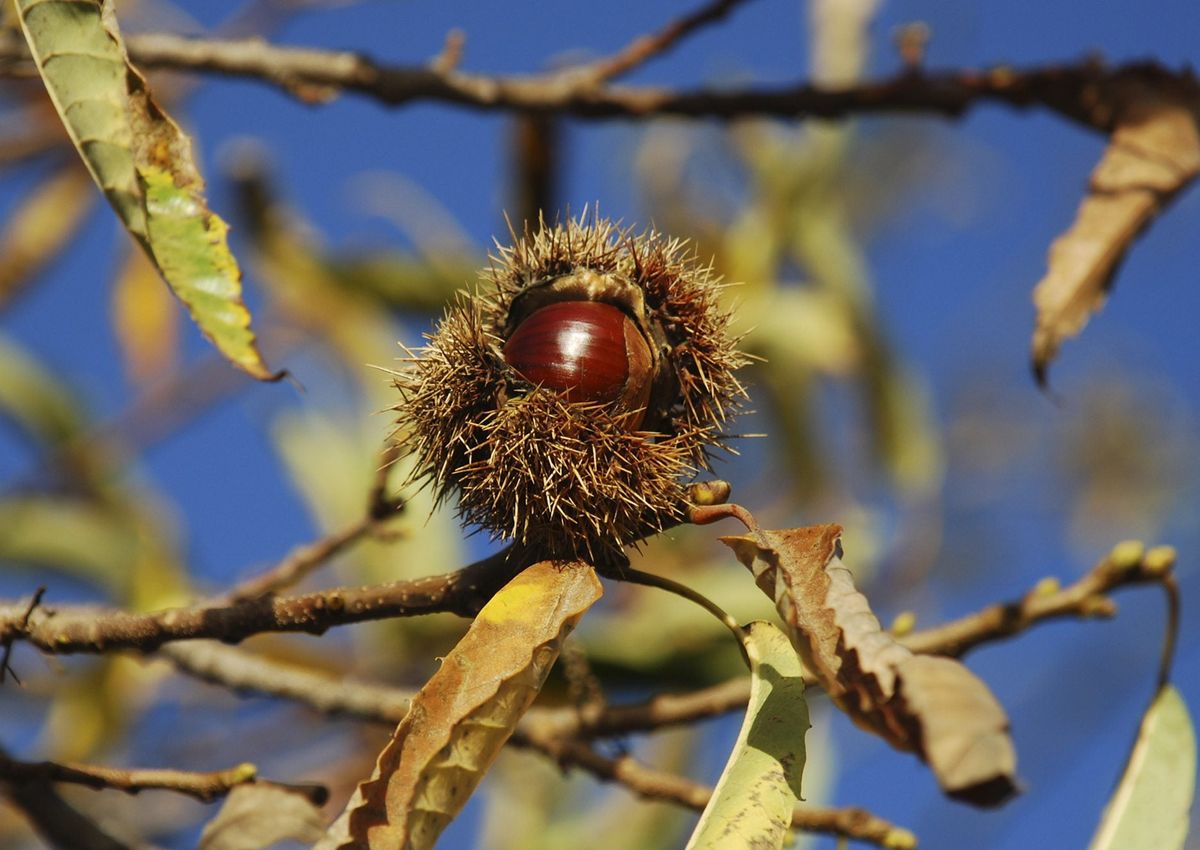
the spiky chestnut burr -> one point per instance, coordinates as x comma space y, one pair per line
567, 400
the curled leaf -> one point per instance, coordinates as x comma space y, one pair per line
463, 715
752, 804
1154, 152
1149, 809
932, 706
143, 163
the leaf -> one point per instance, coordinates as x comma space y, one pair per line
752, 804
1154, 152
144, 320
75, 537
463, 715
1149, 809
41, 226
143, 162
35, 398
259, 814
932, 706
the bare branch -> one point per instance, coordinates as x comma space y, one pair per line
301, 562
658, 712
204, 786
56, 821
82, 628
1083, 91
1084, 599
247, 673
651, 784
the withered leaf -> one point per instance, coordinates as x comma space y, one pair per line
1153, 153
257, 815
458, 722
932, 706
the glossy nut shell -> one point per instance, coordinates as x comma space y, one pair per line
589, 350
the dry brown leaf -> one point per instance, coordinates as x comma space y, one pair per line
463, 715
258, 815
1154, 152
932, 706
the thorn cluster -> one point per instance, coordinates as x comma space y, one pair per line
570, 479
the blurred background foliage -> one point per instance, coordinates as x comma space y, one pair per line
884, 269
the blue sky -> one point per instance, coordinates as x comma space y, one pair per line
952, 267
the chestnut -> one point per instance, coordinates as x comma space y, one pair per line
590, 351
565, 401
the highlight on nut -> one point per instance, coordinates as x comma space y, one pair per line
567, 400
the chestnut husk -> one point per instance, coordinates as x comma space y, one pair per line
570, 479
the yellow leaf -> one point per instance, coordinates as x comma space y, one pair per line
41, 226
144, 316
463, 715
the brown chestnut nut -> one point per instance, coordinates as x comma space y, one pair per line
588, 350
565, 402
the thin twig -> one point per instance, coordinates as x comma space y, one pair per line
451, 53
646, 47
81, 628
651, 784
6, 658
1171, 630
204, 786
628, 574
247, 673
300, 562
659, 712
380, 504
1084, 599
56, 821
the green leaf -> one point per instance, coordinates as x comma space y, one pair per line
753, 801
1149, 809
76, 538
143, 162
35, 398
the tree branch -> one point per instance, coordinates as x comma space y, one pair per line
300, 562
651, 784
7, 643
1083, 91
204, 786
647, 47
56, 821
246, 673
68, 629
1127, 565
